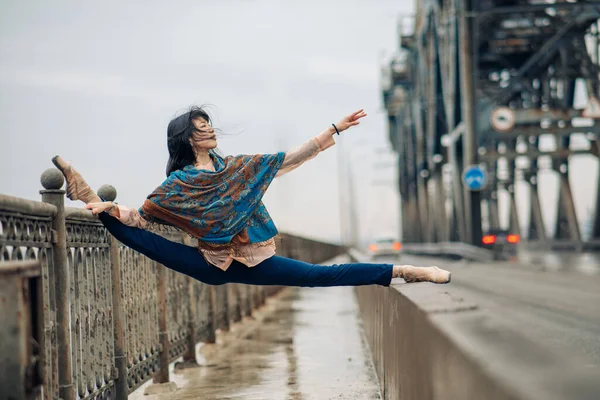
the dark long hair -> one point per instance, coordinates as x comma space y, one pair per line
179, 133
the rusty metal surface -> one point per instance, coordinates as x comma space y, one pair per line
21, 338
28, 237
64, 356
91, 307
140, 309
178, 313
109, 330
162, 374
120, 371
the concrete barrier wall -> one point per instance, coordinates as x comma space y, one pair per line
414, 360
430, 342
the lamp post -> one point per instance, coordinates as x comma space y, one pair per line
342, 201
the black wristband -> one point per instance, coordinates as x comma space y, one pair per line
336, 130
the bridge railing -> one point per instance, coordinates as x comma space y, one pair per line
112, 318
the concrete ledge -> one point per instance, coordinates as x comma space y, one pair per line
561, 245
431, 342
449, 249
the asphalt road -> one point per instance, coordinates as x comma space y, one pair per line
557, 304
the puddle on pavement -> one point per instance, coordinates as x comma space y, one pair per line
296, 349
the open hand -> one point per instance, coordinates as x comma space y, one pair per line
100, 207
350, 120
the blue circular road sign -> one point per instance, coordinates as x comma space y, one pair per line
474, 177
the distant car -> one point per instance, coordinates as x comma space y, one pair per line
502, 243
385, 246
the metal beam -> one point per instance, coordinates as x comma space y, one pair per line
469, 107
561, 154
536, 7
533, 130
545, 52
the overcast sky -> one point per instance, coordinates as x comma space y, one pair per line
98, 82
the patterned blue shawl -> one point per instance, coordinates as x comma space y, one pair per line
218, 207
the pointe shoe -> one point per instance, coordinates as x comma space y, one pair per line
77, 187
424, 274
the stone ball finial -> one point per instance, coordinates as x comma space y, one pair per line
52, 179
107, 192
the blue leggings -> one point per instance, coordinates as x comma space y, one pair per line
276, 270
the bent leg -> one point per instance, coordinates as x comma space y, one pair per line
287, 272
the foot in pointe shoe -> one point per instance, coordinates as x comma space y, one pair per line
77, 187
424, 274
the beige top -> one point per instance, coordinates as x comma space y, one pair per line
253, 253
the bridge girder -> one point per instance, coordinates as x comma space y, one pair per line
526, 58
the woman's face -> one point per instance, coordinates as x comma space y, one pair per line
204, 138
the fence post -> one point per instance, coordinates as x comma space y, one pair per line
212, 326
109, 193
235, 302
52, 180
247, 297
162, 376
257, 299
262, 295
225, 311
222, 310
189, 357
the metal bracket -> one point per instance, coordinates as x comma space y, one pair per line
53, 236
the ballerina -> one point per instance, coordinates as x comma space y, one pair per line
218, 201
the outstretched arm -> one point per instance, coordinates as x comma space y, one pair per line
309, 150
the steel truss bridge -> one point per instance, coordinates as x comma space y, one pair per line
484, 82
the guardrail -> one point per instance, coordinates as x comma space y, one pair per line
112, 318
449, 249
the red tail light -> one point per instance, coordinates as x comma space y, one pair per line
397, 246
373, 248
488, 239
513, 238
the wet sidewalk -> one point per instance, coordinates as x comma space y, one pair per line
303, 344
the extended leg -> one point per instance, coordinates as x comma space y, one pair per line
274, 271
287, 272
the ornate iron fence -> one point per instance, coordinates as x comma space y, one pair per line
113, 318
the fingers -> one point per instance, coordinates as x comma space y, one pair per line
357, 115
351, 120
